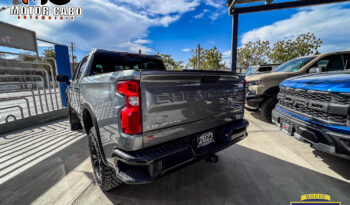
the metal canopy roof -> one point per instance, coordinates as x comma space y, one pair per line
235, 11
268, 6
235, 2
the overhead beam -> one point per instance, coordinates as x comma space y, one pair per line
46, 41
283, 5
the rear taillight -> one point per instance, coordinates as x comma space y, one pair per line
244, 93
130, 115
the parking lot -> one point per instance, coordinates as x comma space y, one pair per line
49, 164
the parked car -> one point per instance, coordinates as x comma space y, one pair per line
144, 122
253, 70
263, 88
315, 108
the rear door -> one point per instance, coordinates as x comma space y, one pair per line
176, 98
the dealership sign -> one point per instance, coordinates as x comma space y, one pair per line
23, 10
16, 37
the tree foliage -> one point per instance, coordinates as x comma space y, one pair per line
260, 52
50, 53
170, 63
210, 59
303, 45
253, 53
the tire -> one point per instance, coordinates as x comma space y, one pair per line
104, 175
74, 120
267, 107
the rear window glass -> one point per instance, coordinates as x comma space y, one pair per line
113, 62
265, 69
293, 65
250, 70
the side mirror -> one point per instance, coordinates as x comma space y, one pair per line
316, 70
63, 79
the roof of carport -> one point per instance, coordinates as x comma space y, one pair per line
228, 2
251, 6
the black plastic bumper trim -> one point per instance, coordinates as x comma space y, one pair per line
182, 149
335, 139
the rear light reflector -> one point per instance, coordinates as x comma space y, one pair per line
130, 115
130, 120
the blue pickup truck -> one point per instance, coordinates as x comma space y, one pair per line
315, 109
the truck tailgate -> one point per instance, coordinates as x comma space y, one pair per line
171, 98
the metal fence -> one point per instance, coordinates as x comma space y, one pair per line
27, 88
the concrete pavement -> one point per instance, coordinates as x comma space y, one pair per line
50, 165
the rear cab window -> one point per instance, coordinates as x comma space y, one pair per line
265, 69
330, 63
108, 62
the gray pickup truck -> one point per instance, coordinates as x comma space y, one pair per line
143, 122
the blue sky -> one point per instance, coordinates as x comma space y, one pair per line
175, 27
189, 31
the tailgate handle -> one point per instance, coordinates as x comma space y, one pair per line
210, 79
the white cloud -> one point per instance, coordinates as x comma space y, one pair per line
215, 3
143, 41
215, 15
186, 50
155, 7
166, 20
219, 12
135, 47
226, 54
200, 15
330, 23
218, 9
227, 62
109, 24
226, 58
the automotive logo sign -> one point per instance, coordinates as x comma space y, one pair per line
315, 199
59, 11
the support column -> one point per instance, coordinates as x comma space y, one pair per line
234, 42
63, 68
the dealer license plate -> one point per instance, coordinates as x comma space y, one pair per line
205, 139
